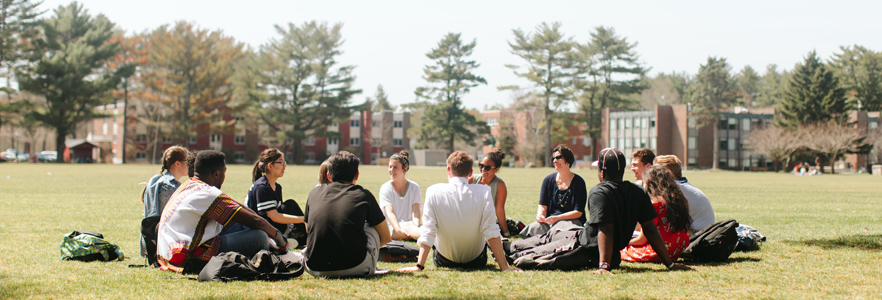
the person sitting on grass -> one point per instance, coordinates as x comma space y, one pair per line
346, 225
561, 199
672, 221
459, 221
489, 166
265, 196
401, 199
700, 209
191, 229
156, 195
615, 208
640, 160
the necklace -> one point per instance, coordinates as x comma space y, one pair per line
400, 191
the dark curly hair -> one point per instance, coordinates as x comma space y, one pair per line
660, 183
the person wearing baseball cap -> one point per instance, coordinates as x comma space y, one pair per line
615, 207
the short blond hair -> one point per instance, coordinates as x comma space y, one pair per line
460, 163
671, 162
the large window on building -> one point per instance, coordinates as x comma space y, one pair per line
621, 122
310, 140
612, 143
612, 124
745, 124
354, 141
621, 144
691, 143
732, 145
644, 123
627, 123
354, 123
586, 141
240, 139
397, 124
332, 141
397, 142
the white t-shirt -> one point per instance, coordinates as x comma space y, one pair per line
403, 206
700, 209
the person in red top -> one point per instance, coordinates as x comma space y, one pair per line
672, 222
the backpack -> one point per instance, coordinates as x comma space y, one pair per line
233, 266
714, 243
83, 245
396, 251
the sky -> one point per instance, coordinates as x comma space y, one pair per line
387, 40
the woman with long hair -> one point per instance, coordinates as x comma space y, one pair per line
401, 199
265, 196
562, 199
155, 196
489, 166
673, 218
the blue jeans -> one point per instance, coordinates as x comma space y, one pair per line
247, 241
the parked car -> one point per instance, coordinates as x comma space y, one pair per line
23, 157
9, 154
49, 155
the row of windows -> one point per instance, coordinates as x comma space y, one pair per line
632, 143
375, 123
627, 123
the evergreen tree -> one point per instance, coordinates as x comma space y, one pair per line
381, 100
748, 82
190, 72
66, 70
714, 90
549, 67
610, 75
18, 24
307, 89
772, 87
449, 79
814, 96
860, 71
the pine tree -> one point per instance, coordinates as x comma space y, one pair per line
610, 75
714, 90
307, 89
449, 78
190, 72
18, 25
381, 100
814, 96
549, 67
772, 87
860, 71
66, 70
748, 82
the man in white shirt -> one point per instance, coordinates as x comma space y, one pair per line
459, 221
700, 209
640, 160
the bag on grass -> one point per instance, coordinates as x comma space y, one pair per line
233, 266
714, 243
749, 239
86, 245
396, 251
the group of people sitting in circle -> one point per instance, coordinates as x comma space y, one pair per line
804, 169
343, 226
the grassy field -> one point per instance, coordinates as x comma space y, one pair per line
824, 240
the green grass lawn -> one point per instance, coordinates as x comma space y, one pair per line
824, 240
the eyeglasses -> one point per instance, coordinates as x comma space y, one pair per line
281, 162
485, 167
559, 157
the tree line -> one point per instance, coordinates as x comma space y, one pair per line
188, 78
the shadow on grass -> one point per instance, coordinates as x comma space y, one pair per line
10, 290
867, 242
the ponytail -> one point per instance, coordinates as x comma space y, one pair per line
267, 157
171, 155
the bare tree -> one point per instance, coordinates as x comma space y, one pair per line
527, 128
832, 140
777, 143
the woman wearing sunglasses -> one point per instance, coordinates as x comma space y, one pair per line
562, 199
489, 166
400, 200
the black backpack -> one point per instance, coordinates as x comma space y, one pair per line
396, 251
233, 266
714, 243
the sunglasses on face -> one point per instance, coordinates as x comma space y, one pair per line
485, 167
559, 157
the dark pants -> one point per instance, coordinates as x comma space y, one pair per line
297, 231
556, 250
477, 263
